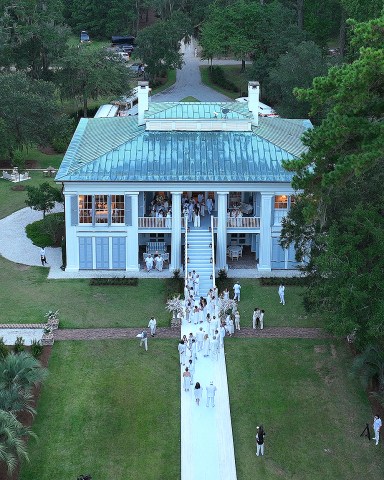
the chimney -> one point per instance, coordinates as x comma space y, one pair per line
142, 100
253, 101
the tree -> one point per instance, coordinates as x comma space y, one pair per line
29, 112
369, 366
13, 436
21, 370
43, 198
296, 68
159, 44
34, 35
88, 73
339, 220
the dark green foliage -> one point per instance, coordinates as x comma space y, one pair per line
47, 232
291, 281
4, 351
222, 274
19, 345
114, 281
43, 198
63, 253
338, 221
217, 76
36, 348
173, 287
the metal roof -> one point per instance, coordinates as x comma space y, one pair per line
116, 149
198, 110
284, 132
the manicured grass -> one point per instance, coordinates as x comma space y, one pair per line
233, 74
189, 99
26, 295
171, 79
292, 314
109, 409
313, 412
11, 200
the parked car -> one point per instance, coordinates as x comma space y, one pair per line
84, 37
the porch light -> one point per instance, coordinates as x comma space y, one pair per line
187, 245
187, 259
188, 229
211, 260
211, 277
210, 229
210, 245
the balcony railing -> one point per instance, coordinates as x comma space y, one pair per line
242, 222
153, 222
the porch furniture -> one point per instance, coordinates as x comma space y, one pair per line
153, 247
164, 255
246, 208
235, 251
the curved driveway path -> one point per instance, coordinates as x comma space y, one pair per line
188, 80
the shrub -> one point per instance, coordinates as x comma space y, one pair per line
3, 349
114, 281
48, 231
217, 76
292, 281
19, 345
222, 274
176, 273
36, 348
173, 287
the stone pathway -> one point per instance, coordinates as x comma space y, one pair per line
105, 333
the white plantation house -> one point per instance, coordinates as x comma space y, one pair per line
118, 172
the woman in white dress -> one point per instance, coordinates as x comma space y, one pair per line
206, 345
239, 218
226, 294
196, 222
237, 320
187, 379
149, 262
198, 391
231, 327
168, 220
196, 313
159, 263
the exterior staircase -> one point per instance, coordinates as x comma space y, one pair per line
199, 254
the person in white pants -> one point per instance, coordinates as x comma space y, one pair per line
152, 326
282, 293
211, 390
200, 339
196, 285
376, 428
261, 318
236, 289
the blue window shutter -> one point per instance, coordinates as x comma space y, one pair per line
128, 210
118, 253
74, 210
141, 204
102, 253
85, 253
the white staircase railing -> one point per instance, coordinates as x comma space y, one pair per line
213, 253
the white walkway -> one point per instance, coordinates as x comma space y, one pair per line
206, 433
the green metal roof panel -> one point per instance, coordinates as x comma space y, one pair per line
284, 132
197, 110
180, 156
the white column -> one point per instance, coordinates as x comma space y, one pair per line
253, 101
176, 231
133, 236
142, 101
71, 240
265, 232
221, 247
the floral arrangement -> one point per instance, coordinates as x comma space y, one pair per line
226, 305
175, 305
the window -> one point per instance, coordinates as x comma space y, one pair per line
101, 209
117, 205
281, 201
293, 200
85, 208
234, 199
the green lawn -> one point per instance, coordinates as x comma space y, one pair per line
312, 410
109, 409
232, 73
26, 295
11, 200
93, 307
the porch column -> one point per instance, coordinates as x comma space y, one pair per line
71, 239
265, 232
221, 247
176, 231
133, 235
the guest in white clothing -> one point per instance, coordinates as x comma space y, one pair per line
152, 325
149, 262
211, 390
282, 294
159, 262
236, 289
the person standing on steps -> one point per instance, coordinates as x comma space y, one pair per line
152, 325
282, 293
211, 390
260, 441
